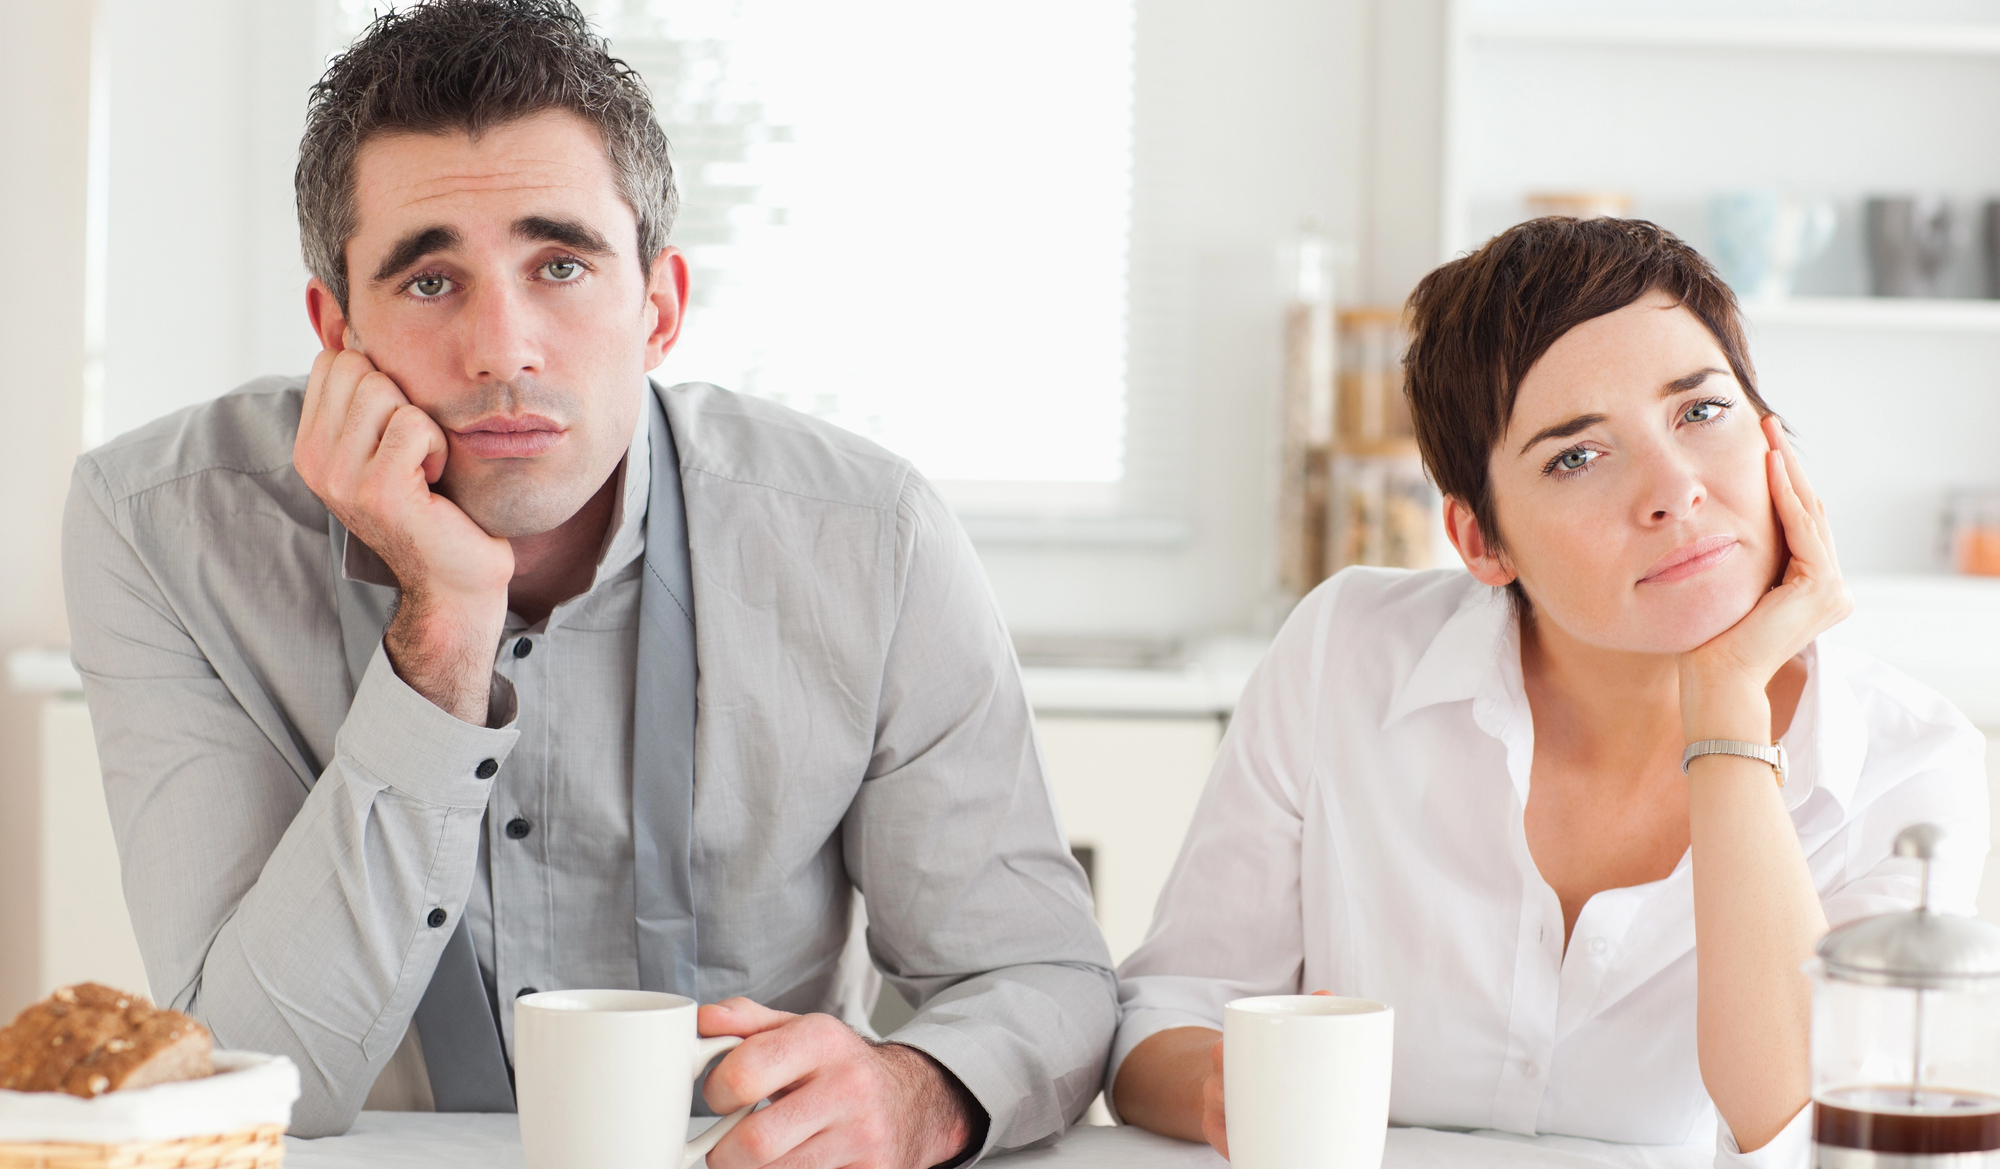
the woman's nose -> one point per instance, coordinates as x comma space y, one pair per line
1673, 491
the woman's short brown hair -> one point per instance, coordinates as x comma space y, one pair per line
1480, 322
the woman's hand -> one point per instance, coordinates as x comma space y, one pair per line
1172, 1084
1723, 680
1214, 1129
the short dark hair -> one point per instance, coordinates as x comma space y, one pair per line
467, 66
1480, 322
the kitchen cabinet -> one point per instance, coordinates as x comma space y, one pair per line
1126, 788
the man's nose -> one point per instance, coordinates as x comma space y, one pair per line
505, 341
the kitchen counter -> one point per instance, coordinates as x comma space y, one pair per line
423, 1140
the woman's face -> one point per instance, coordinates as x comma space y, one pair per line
1630, 486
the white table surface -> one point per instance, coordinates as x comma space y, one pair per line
422, 1140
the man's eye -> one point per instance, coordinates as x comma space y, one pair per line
430, 287
562, 270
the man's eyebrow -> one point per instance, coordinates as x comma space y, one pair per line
570, 233
1581, 422
1682, 385
413, 247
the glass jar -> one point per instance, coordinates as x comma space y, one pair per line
1906, 1037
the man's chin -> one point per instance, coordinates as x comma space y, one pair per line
517, 510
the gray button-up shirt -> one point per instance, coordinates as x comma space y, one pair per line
292, 819
551, 904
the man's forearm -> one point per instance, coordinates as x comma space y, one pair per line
959, 1123
444, 651
328, 954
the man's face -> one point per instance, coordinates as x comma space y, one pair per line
496, 282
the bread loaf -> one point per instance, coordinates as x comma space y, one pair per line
89, 1039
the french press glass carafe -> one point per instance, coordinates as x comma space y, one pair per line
1906, 1036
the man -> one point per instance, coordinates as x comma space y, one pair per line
473, 664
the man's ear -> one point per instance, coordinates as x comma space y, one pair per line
666, 300
328, 320
1488, 565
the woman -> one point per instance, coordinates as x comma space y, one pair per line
1463, 792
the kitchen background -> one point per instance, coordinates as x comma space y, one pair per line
1122, 275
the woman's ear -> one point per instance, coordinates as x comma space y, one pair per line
1487, 565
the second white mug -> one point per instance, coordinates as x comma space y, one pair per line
1305, 1081
604, 1079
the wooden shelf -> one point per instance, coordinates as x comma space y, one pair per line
1837, 36
1877, 313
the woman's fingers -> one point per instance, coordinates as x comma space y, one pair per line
1802, 530
1795, 472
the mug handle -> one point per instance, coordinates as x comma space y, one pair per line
705, 1050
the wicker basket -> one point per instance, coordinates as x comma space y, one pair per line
252, 1148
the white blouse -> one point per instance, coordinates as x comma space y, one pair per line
1362, 833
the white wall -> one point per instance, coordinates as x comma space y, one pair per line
44, 113
206, 289
1249, 121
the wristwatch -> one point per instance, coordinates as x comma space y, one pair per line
1773, 754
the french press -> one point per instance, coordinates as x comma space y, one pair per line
1906, 1036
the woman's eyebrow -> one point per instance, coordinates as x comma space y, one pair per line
1682, 385
1581, 422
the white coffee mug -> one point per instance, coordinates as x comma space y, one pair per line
604, 1079
1305, 1081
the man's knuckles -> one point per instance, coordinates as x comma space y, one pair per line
760, 1144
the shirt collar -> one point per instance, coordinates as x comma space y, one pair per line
624, 540
1476, 654
1471, 656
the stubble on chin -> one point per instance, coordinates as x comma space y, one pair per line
515, 504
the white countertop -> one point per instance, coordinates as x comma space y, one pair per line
1942, 630
424, 1140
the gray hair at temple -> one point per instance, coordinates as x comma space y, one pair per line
466, 66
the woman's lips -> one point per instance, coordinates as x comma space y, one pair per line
521, 437
1689, 559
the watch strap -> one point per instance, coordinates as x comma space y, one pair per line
1774, 754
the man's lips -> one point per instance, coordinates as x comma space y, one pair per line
502, 437
1689, 559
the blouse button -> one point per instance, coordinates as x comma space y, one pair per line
1598, 945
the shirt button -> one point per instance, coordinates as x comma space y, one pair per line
437, 918
1598, 945
523, 648
518, 828
486, 769
525, 990
1528, 1068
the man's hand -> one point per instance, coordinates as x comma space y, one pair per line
371, 457
836, 1099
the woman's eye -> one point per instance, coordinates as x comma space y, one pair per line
430, 287
562, 270
1702, 412
1574, 460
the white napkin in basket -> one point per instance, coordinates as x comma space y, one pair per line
247, 1090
